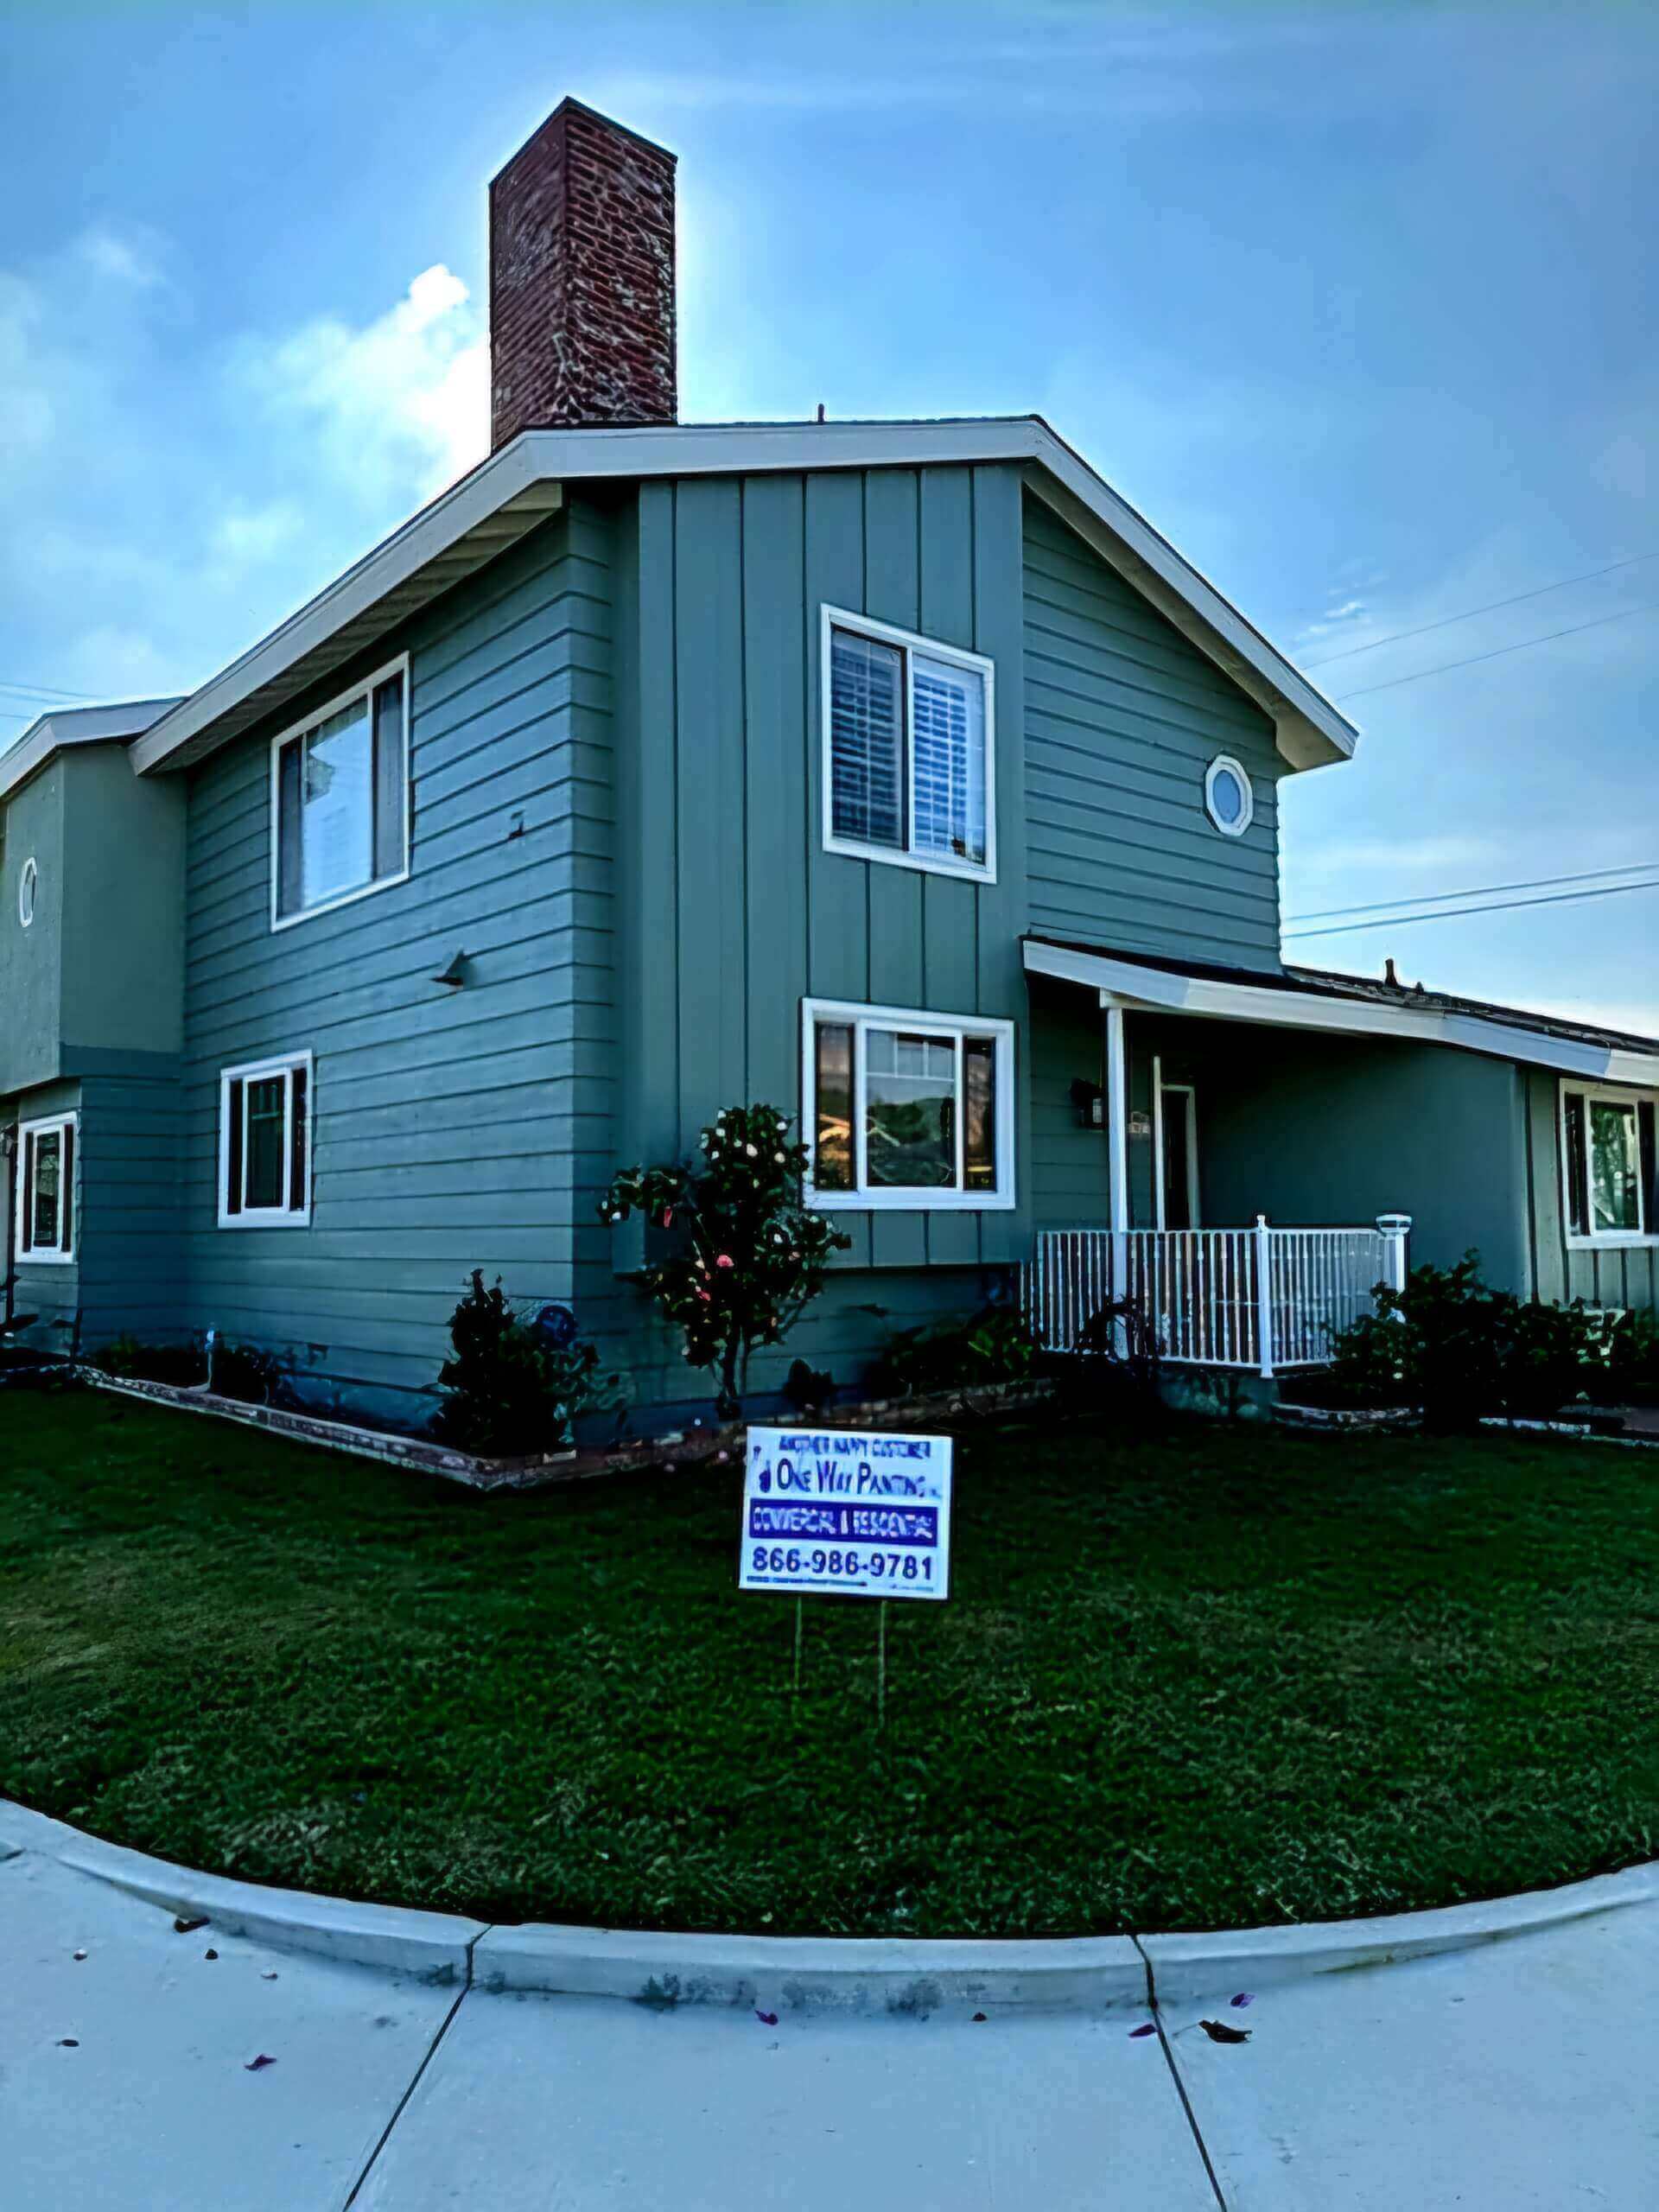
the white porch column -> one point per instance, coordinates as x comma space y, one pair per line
1117, 1138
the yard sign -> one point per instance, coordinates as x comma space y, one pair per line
827, 1512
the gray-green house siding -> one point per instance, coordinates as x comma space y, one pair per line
1123, 717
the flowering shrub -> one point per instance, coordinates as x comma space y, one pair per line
748, 1259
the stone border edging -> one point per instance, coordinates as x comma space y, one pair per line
783, 1973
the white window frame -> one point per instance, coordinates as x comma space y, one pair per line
861, 1198
37, 1255
1601, 1240
255, 1071
366, 690
1187, 1093
1224, 764
909, 641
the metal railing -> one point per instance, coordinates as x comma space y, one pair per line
1260, 1299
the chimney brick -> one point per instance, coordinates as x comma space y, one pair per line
582, 279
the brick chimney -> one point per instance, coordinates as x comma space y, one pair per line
582, 279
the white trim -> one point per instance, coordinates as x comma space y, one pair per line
59, 1256
1593, 1239
1225, 764
1117, 1114
909, 642
1160, 1090
473, 520
1172, 993
66, 727
956, 1027
249, 1071
29, 884
364, 691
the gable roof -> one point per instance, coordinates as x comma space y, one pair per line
1321, 998
68, 726
518, 487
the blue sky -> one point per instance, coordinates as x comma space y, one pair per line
1356, 305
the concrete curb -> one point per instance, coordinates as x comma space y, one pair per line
437, 1946
783, 1973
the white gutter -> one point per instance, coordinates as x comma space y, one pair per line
1157, 989
508, 492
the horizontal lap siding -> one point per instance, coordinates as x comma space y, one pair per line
1123, 717
453, 1128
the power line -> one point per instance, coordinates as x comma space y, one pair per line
1498, 906
1472, 891
43, 691
1498, 652
1469, 613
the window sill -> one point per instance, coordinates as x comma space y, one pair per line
264, 1220
1615, 1240
46, 1259
923, 863
910, 1202
279, 922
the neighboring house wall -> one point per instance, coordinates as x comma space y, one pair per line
1605, 1274
453, 1128
50, 1292
1123, 717
31, 960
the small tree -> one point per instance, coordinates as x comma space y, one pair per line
749, 1257
512, 1387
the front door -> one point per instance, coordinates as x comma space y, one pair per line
1177, 1133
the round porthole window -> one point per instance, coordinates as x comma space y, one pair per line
26, 883
1229, 799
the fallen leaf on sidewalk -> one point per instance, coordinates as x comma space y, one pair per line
1244, 1997
68, 2042
185, 1926
210, 1954
1218, 2031
767, 2019
269, 1974
979, 2016
80, 1955
1146, 2028
261, 2059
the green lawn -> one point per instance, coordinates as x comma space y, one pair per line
1225, 1677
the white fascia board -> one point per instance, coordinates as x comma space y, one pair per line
459, 521
1157, 990
66, 727
1311, 731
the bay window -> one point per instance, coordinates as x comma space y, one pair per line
265, 1144
43, 1206
1611, 1183
906, 1110
340, 800
908, 749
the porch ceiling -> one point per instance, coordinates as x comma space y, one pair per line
1295, 1001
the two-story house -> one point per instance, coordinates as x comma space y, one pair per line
900, 773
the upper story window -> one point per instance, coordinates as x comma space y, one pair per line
907, 1110
1229, 796
340, 800
265, 1144
908, 749
1611, 1174
44, 1209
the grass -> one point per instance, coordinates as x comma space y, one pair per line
1218, 1678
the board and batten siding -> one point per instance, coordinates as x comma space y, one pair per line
453, 1128
734, 913
1625, 1276
1123, 717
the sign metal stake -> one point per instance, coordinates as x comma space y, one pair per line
800, 1618
881, 1665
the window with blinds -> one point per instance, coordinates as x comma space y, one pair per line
908, 748
340, 800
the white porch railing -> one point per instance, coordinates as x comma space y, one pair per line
1261, 1298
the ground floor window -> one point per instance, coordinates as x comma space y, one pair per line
907, 1110
44, 1201
1608, 1166
265, 1144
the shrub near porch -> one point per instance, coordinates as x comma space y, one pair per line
1213, 1679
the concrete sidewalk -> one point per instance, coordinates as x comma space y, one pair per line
1517, 2074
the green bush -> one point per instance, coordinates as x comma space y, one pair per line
996, 1346
1629, 1372
511, 1389
1457, 1350
129, 1359
248, 1374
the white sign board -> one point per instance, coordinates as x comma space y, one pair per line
828, 1512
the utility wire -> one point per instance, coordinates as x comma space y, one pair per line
1469, 613
42, 692
1472, 891
1498, 652
1498, 906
